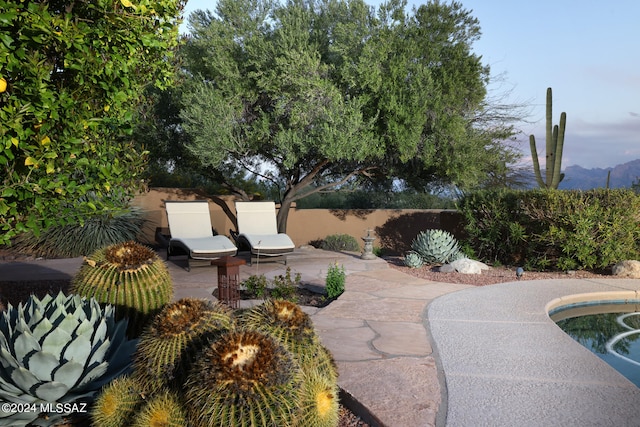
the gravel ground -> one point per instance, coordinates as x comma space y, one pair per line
488, 277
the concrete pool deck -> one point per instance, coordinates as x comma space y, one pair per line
507, 364
421, 353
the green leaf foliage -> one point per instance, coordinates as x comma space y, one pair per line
340, 242
73, 240
335, 281
316, 95
74, 74
553, 229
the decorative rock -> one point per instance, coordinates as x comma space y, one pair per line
447, 268
629, 269
464, 266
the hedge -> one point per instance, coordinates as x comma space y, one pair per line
553, 229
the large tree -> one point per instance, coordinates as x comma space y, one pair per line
74, 73
318, 93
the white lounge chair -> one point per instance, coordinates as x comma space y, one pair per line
191, 233
257, 228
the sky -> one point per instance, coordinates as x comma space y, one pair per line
587, 51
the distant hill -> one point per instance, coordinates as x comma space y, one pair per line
578, 178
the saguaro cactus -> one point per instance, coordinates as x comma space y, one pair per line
555, 144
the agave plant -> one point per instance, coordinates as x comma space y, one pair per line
435, 246
413, 259
73, 240
55, 351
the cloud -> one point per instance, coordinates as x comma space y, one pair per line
595, 145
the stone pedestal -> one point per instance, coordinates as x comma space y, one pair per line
368, 246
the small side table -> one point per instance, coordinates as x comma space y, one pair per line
228, 279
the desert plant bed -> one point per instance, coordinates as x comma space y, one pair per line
498, 274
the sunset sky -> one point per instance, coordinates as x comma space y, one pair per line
587, 51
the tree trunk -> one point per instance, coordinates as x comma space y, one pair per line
283, 215
225, 208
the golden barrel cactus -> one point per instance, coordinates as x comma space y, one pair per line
169, 345
129, 276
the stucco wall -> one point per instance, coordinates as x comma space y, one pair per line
394, 229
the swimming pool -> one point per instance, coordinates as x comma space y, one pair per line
610, 329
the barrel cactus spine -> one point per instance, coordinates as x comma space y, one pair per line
318, 394
244, 378
129, 276
318, 401
285, 321
117, 403
163, 409
169, 344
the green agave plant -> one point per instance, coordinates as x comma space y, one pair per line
413, 259
58, 350
435, 246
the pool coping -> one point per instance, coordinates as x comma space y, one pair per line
610, 297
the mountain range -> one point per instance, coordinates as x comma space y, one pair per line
578, 178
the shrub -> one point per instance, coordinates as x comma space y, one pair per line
284, 287
281, 287
69, 241
543, 229
256, 285
368, 199
335, 280
340, 242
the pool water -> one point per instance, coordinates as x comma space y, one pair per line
614, 336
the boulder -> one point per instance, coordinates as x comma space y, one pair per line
447, 268
629, 269
464, 266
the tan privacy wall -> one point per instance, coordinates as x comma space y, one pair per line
394, 229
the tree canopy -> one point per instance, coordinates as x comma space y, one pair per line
74, 73
317, 93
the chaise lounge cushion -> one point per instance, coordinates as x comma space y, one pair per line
191, 231
257, 226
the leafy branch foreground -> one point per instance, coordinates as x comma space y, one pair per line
72, 75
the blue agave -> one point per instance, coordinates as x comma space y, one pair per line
58, 350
